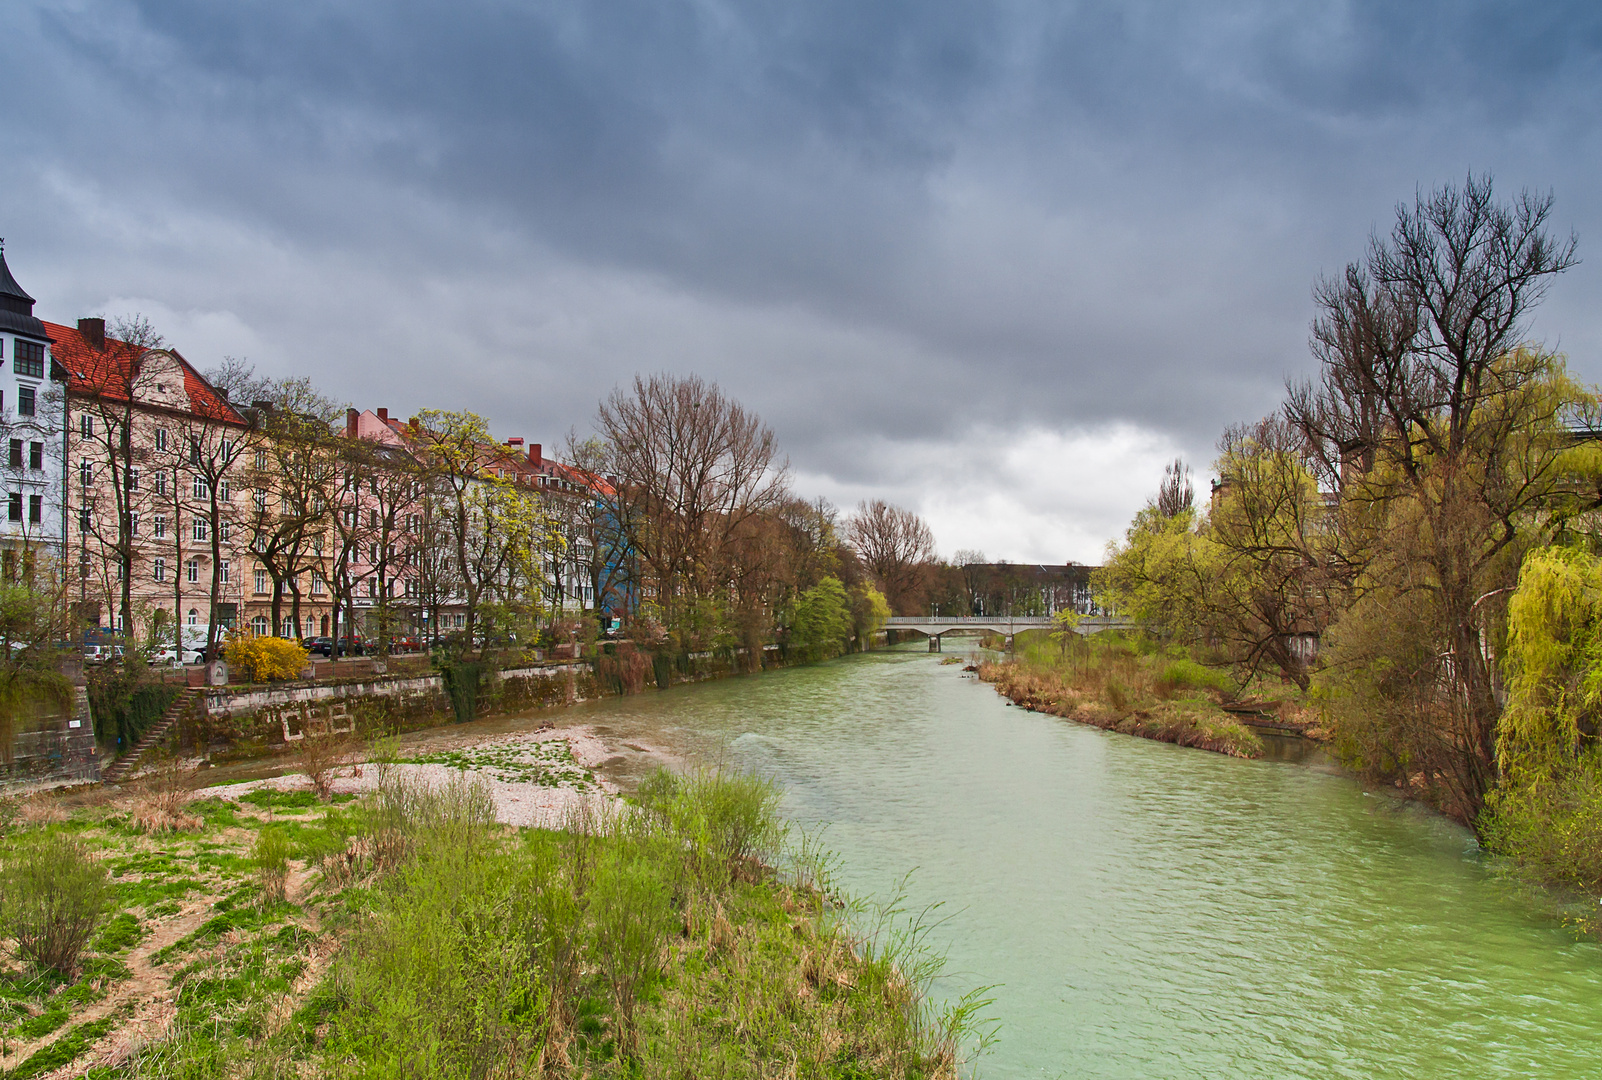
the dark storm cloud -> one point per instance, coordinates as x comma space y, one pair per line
879, 223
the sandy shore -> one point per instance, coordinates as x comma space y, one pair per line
536, 778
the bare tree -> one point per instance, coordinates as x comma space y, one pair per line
295, 474
1443, 435
109, 455
694, 469
1175, 495
893, 544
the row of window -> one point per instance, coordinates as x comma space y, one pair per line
200, 486
35, 454
200, 528
14, 507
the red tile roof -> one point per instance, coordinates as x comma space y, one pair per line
105, 373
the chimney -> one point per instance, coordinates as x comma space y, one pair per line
383, 417
534, 454
515, 440
93, 331
350, 423
414, 425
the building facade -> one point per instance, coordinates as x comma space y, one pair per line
32, 413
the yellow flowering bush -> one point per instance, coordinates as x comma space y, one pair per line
261, 659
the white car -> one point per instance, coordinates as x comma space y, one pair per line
170, 658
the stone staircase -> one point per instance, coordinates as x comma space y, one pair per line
124, 767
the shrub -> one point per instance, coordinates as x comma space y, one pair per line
160, 800
633, 914
320, 757
269, 856
464, 681
121, 708
54, 894
261, 659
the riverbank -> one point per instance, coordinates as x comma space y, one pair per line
253, 930
1111, 684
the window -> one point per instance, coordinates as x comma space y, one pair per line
36, 455
261, 498
86, 474
261, 584
194, 451
159, 569
224, 529
413, 522
227, 449
202, 488
16, 453
29, 361
35, 509
372, 586
461, 622
222, 572
83, 520
317, 583
411, 586
192, 571
161, 438
194, 617
25, 400
14, 507
202, 529
133, 523
261, 460
161, 483
374, 554
225, 489
158, 527
372, 519
83, 565
133, 478
317, 543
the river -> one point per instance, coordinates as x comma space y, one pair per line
1147, 910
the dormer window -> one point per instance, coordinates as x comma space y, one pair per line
29, 359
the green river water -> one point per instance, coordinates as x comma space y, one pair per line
1147, 910
1143, 910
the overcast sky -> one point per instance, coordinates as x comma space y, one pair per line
994, 261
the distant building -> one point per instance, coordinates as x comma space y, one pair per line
31, 413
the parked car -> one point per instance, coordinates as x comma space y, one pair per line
407, 644
324, 646
169, 656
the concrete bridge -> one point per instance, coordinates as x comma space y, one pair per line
1006, 626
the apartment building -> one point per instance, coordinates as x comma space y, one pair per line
151, 488
31, 412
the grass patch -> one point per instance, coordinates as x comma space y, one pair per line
544, 763
270, 799
121, 932
65, 1050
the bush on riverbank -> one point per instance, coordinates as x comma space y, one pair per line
1123, 685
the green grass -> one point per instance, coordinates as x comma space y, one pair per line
546, 763
64, 1050
268, 798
